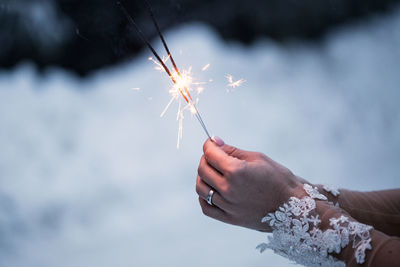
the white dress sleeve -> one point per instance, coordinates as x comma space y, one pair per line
297, 234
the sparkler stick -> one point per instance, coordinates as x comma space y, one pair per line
144, 39
149, 8
198, 116
186, 95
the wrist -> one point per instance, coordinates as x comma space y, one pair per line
287, 191
312, 231
331, 193
298, 190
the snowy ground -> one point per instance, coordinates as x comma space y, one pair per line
89, 172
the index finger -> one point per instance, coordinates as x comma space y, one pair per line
216, 157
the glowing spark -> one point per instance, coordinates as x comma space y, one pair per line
182, 82
159, 67
192, 109
205, 67
232, 83
182, 88
167, 106
135, 89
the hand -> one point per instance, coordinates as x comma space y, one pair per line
247, 185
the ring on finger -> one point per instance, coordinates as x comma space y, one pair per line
210, 196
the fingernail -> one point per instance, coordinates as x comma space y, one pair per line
217, 140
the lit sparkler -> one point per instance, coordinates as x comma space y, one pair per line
182, 82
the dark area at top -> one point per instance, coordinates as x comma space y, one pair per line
83, 36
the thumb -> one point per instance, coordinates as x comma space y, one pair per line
230, 150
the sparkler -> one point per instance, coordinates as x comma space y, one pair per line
181, 81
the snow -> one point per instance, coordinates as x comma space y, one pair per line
90, 174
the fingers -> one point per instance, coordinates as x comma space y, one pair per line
230, 150
209, 175
234, 152
240, 153
216, 157
203, 190
213, 211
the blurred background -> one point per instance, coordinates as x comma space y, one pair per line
90, 174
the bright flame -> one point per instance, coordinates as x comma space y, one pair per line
181, 90
182, 85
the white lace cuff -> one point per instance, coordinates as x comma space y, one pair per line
331, 189
296, 234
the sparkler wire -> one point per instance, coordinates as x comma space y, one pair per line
197, 113
150, 9
201, 121
144, 39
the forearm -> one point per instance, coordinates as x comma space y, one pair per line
310, 230
309, 226
384, 251
381, 250
381, 209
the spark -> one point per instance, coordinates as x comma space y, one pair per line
232, 83
135, 89
183, 87
206, 67
182, 82
159, 66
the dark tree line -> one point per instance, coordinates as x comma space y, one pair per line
86, 35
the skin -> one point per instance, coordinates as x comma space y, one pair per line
247, 185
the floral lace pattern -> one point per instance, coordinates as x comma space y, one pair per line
331, 189
313, 192
296, 234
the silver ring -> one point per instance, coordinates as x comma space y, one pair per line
209, 197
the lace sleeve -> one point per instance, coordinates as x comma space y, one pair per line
299, 236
